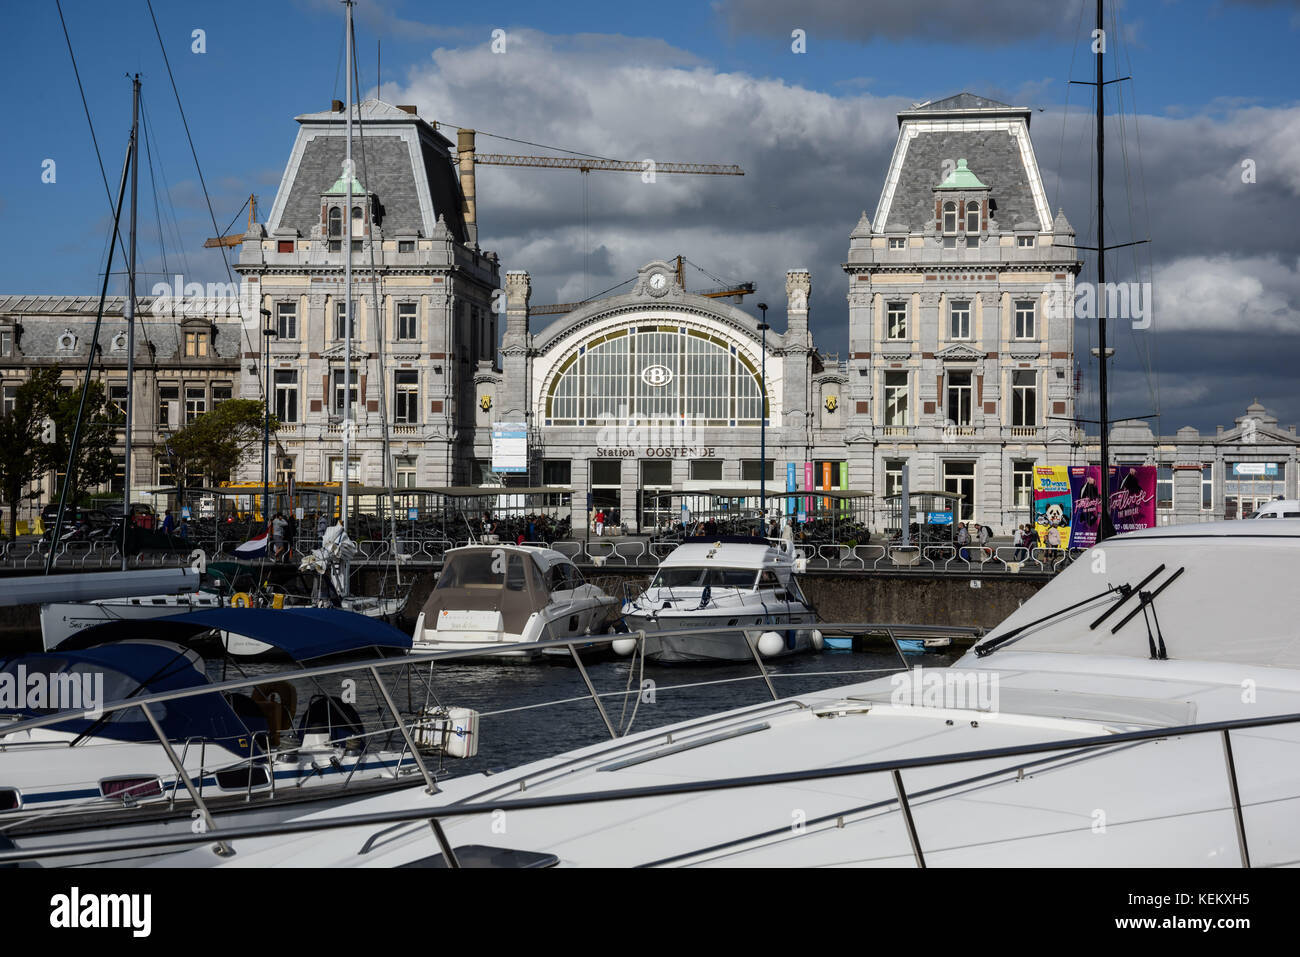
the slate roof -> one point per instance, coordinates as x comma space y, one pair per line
381, 151
44, 325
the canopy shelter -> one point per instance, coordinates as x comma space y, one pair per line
304, 634
131, 669
934, 515
840, 515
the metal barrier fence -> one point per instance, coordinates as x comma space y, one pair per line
627, 553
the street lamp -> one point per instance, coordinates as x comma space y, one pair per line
762, 431
267, 333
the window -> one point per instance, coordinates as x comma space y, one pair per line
358, 221
656, 374
896, 320
404, 471
335, 222
896, 242
407, 313
959, 478
284, 470
220, 393
1164, 486
196, 402
950, 217
406, 245
284, 246
286, 396
1022, 485
705, 470
959, 398
117, 395
1025, 242
168, 395
196, 345
6, 342
286, 320
896, 398
959, 320
893, 476
9, 400
406, 397
558, 472
1024, 397
342, 401
751, 471
340, 319
972, 219
1025, 319
1207, 487
336, 469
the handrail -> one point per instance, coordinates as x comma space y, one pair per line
1075, 745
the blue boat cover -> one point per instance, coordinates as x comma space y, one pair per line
301, 633
129, 670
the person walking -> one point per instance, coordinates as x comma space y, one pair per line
963, 539
986, 536
278, 526
168, 523
600, 522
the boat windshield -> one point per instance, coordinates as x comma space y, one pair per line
685, 576
485, 569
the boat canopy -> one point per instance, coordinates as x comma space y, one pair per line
301, 633
129, 669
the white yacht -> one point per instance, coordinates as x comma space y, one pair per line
745, 584
492, 595
1093, 727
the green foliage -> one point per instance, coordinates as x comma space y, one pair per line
216, 443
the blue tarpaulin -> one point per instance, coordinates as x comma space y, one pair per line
301, 633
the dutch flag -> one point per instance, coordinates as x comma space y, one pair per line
254, 547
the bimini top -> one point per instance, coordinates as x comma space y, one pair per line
544, 557
1217, 592
130, 669
733, 552
301, 633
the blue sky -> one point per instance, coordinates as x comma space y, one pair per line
1217, 72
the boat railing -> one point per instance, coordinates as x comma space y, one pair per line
1012, 767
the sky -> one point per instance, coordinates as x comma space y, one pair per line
1203, 157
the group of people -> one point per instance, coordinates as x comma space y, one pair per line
972, 533
603, 518
171, 527
283, 532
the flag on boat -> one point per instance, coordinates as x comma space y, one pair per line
253, 548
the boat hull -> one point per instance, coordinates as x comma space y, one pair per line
724, 645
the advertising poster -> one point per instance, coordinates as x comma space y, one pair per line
1085, 493
791, 485
510, 447
807, 487
1052, 506
1132, 497
826, 483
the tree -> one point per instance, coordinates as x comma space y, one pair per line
95, 463
216, 443
24, 458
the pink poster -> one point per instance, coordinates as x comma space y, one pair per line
1132, 497
807, 485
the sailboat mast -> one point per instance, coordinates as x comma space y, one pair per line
130, 314
1099, 40
347, 281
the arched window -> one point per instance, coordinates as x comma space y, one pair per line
656, 374
335, 222
358, 221
949, 217
972, 217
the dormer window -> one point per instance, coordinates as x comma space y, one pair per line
335, 222
1025, 242
67, 341
6, 342
949, 218
196, 345
897, 243
119, 342
972, 218
358, 221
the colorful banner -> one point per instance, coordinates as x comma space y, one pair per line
826, 483
1052, 506
1085, 493
791, 485
807, 487
1132, 497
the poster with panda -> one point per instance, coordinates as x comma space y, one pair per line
1053, 506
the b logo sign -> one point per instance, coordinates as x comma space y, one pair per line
656, 376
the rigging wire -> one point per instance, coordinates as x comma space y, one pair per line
243, 327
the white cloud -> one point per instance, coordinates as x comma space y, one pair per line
1238, 294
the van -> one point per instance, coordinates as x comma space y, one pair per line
1280, 508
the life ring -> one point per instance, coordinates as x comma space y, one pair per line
240, 599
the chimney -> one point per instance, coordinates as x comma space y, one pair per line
465, 153
336, 106
406, 108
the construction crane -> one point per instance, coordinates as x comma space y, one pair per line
234, 239
735, 292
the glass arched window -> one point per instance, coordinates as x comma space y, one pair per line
336, 221
656, 374
949, 217
972, 217
358, 221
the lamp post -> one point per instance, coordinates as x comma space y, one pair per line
267, 333
762, 430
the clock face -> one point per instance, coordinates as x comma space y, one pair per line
658, 284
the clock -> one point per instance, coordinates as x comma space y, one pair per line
657, 284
